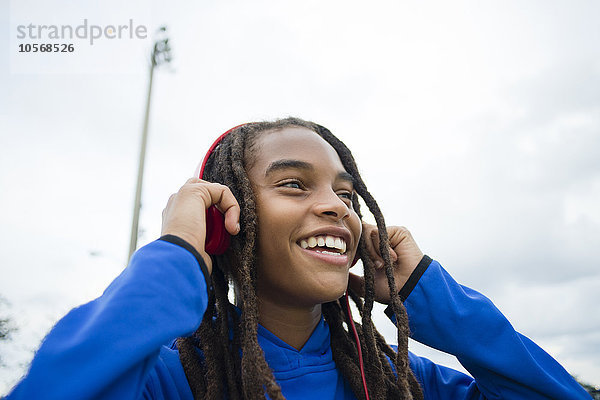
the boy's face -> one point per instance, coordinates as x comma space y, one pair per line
303, 196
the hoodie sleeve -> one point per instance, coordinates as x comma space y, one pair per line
108, 347
460, 321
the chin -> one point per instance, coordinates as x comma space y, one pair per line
332, 292
335, 297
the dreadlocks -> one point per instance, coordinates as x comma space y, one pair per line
225, 333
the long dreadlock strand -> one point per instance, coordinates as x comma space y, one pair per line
194, 370
372, 359
401, 359
223, 312
214, 352
343, 347
255, 370
221, 286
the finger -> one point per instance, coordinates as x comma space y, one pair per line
370, 234
193, 180
375, 238
222, 198
232, 220
357, 284
371, 242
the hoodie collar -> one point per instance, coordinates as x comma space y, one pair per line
283, 358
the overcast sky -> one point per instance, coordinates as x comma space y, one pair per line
475, 124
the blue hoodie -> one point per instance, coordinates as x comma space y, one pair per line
114, 347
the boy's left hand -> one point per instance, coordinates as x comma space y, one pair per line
405, 256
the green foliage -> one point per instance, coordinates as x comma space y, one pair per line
6, 325
594, 391
6, 328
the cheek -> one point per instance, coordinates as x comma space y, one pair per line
268, 219
272, 228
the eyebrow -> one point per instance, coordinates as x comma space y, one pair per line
303, 165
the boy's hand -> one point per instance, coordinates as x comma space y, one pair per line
405, 256
185, 213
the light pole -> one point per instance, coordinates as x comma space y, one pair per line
161, 54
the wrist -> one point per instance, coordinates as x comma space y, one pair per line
414, 277
191, 239
410, 284
200, 258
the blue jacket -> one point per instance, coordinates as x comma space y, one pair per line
114, 346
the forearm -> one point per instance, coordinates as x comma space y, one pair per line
106, 348
505, 364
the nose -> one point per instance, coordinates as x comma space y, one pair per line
328, 204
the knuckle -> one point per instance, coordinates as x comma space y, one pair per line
191, 181
225, 192
186, 187
223, 188
196, 190
404, 230
192, 186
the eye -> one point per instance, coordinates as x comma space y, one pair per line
292, 184
347, 197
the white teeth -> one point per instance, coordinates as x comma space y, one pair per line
337, 243
332, 242
329, 252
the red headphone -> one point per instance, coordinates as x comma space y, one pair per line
217, 237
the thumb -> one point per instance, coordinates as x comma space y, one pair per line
356, 284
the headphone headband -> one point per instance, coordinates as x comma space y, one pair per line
213, 147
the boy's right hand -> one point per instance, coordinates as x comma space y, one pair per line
185, 213
404, 254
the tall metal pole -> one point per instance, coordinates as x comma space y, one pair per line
160, 53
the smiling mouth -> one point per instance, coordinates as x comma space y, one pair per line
325, 244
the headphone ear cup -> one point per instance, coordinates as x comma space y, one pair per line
217, 237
